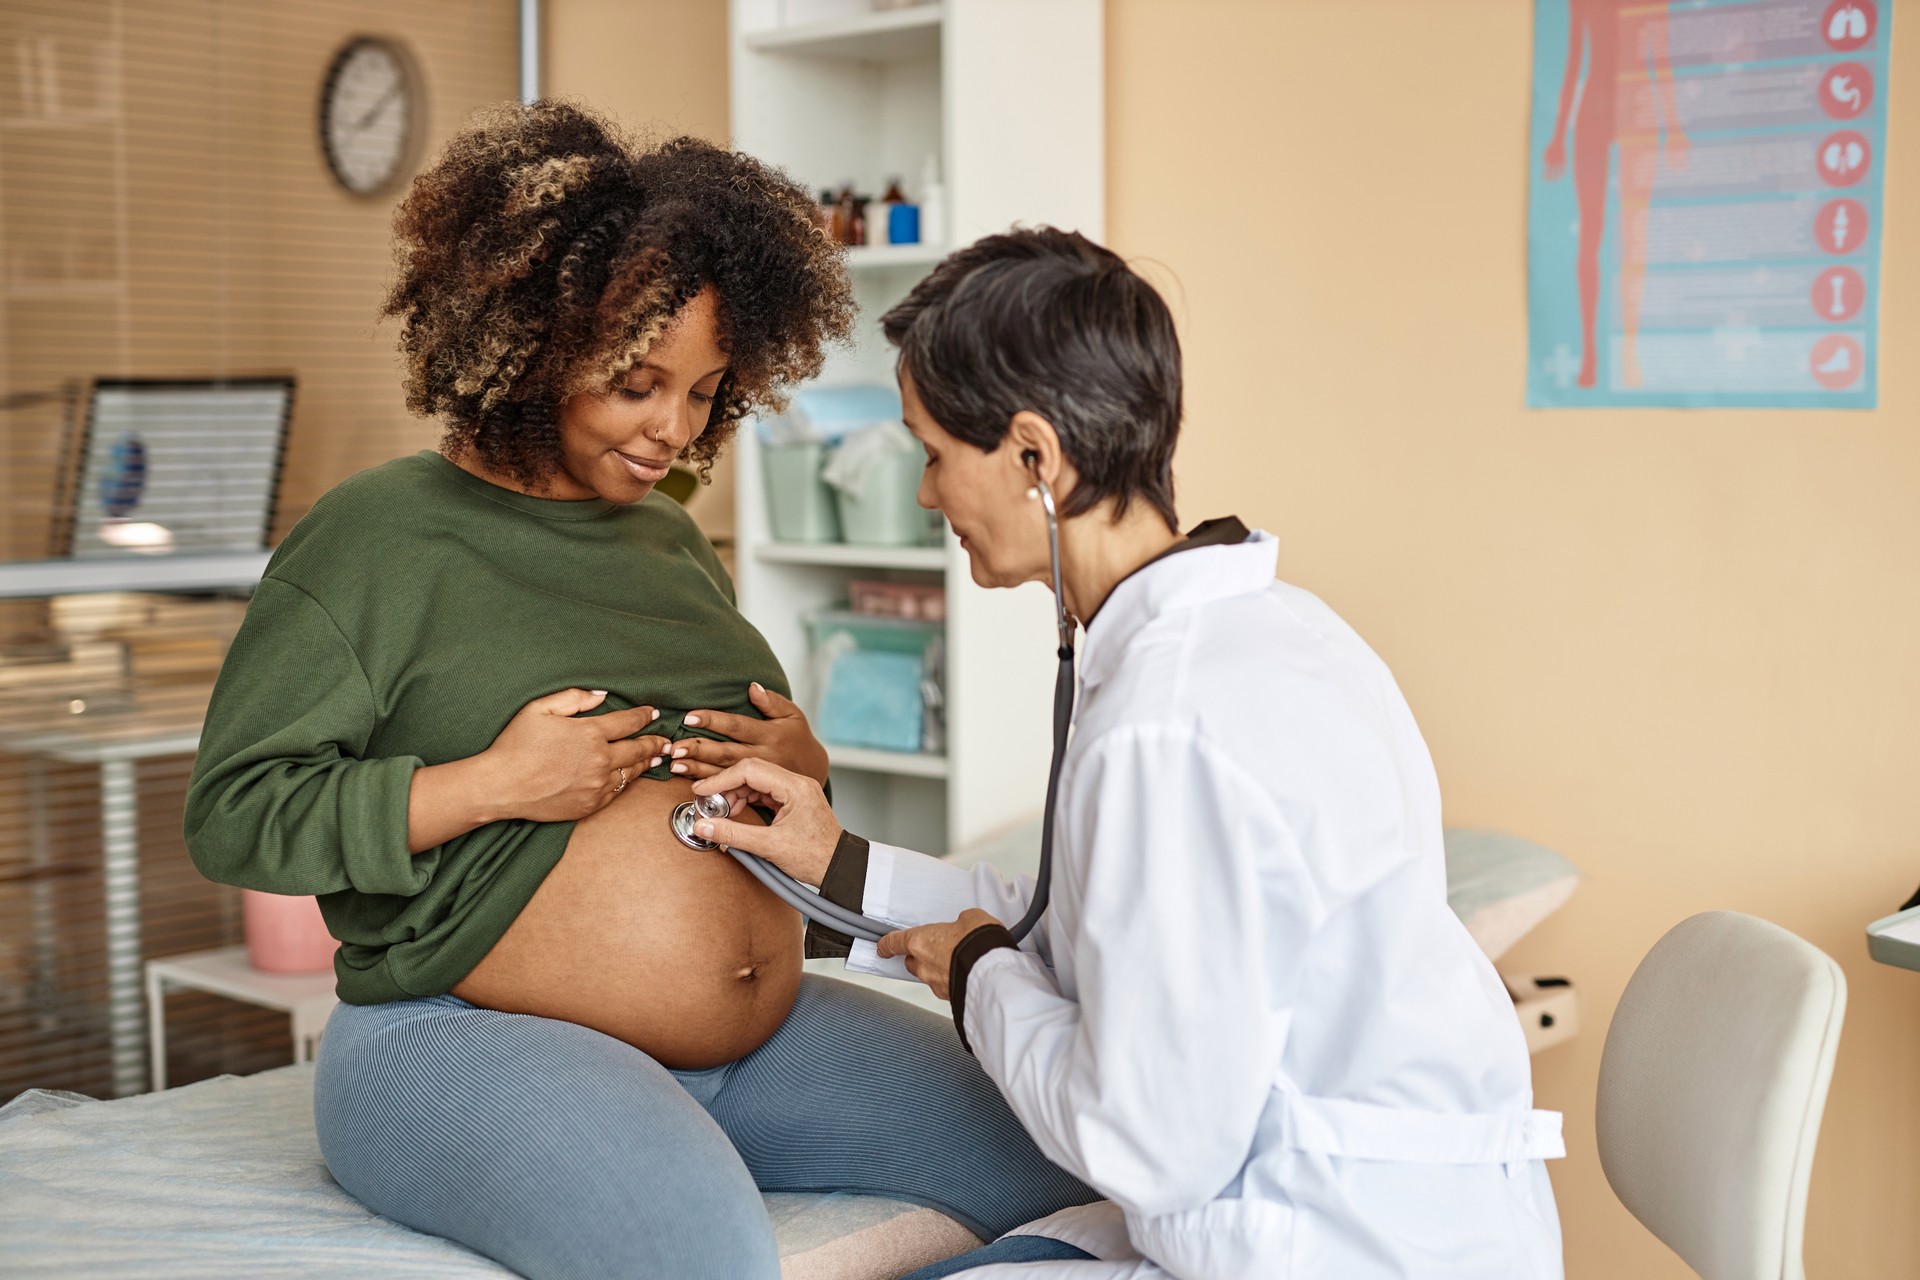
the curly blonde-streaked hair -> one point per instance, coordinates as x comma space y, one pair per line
544, 253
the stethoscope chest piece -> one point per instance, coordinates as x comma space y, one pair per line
688, 812
851, 922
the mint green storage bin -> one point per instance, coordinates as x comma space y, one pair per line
887, 512
800, 505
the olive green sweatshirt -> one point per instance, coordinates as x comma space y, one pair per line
404, 622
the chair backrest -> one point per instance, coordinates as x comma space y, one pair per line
1712, 1085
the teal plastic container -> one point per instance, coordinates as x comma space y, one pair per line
800, 505
872, 677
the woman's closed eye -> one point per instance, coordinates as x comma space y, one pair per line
641, 393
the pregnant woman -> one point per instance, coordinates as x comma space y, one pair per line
474, 683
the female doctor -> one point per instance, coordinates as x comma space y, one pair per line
1249, 1018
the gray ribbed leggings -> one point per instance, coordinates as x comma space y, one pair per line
563, 1152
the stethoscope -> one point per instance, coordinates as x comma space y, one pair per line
832, 914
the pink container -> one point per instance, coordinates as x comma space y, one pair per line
285, 934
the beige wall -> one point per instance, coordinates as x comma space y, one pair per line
1678, 647
659, 66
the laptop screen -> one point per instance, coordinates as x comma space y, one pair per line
179, 467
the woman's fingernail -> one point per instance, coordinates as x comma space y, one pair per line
679, 768
598, 693
693, 720
679, 752
757, 687
704, 830
654, 763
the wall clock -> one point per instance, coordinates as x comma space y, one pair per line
372, 113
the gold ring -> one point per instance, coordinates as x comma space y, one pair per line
623, 781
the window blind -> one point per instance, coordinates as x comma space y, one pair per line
169, 218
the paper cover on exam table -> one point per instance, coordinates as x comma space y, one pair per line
224, 1178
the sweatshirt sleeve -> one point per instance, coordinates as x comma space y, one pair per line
282, 798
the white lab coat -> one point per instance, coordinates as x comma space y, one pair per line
1249, 1018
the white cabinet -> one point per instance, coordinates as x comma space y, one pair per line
1008, 96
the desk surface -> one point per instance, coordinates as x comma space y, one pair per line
225, 971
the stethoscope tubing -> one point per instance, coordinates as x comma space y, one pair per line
845, 920
807, 902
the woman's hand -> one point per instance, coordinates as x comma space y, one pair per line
803, 834
784, 737
551, 764
929, 948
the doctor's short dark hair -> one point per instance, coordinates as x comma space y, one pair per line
1048, 321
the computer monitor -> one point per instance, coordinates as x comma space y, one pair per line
177, 466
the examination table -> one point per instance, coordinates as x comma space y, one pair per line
224, 1177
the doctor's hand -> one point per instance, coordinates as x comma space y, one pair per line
929, 948
784, 737
801, 838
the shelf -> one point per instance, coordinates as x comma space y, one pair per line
933, 559
206, 571
904, 763
875, 256
893, 36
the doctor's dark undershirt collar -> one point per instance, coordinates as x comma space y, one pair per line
1223, 531
845, 881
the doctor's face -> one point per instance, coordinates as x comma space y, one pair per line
983, 496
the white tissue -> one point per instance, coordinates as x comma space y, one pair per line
850, 468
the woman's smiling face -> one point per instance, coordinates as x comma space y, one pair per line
618, 445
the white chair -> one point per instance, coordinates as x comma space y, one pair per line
1712, 1084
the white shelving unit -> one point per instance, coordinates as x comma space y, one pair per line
1009, 96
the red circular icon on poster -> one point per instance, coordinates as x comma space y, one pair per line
1836, 362
1849, 24
1841, 226
1838, 293
1844, 158
1846, 90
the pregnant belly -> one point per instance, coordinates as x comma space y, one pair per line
676, 951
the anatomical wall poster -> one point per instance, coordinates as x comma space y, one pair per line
1705, 211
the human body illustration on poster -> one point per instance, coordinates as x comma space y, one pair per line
1704, 220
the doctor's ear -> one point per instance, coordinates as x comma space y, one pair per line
1037, 448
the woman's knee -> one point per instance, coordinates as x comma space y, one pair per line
545, 1145
864, 1092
